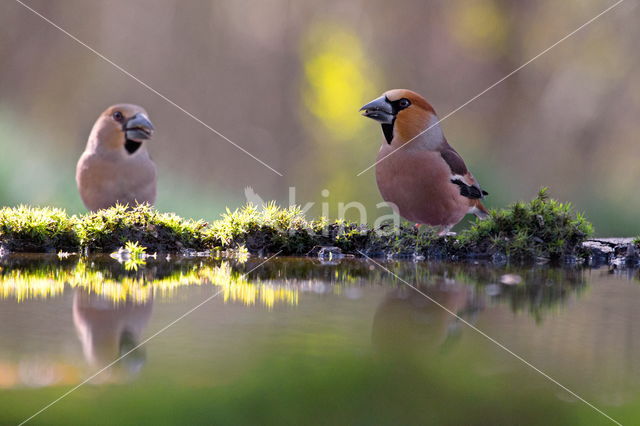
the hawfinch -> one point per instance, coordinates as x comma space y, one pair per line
110, 330
417, 169
115, 166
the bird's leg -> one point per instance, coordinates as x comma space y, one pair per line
444, 231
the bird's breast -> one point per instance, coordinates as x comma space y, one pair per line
103, 182
418, 183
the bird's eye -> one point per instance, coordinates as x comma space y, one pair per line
118, 116
404, 102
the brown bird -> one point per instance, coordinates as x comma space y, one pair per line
115, 166
417, 169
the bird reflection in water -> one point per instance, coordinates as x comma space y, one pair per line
107, 330
408, 322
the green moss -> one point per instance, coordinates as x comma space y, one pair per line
135, 249
106, 230
542, 228
31, 229
268, 230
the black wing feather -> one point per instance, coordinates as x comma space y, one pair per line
457, 166
470, 191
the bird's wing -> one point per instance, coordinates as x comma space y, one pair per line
461, 176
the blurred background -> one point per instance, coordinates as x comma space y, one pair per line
285, 80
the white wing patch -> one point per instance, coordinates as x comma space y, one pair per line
461, 178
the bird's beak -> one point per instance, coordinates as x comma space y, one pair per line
138, 128
380, 110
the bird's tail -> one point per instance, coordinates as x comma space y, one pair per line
480, 210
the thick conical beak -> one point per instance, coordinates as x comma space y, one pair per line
138, 128
379, 109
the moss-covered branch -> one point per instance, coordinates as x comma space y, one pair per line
542, 228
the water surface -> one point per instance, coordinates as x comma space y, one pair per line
299, 341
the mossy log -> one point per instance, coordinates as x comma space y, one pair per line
542, 229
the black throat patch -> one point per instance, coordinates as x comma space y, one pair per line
387, 129
132, 146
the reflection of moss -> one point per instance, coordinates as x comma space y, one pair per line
44, 278
541, 228
279, 281
543, 289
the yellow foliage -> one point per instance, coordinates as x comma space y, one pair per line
338, 79
480, 25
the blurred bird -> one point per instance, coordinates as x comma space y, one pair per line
417, 169
115, 166
109, 330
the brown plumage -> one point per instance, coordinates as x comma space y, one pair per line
115, 166
418, 170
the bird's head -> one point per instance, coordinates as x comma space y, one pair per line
122, 127
402, 113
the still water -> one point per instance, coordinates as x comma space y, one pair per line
299, 341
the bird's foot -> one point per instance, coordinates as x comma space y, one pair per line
444, 232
